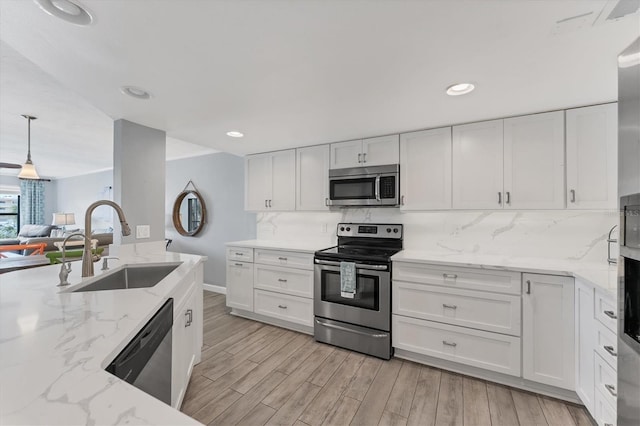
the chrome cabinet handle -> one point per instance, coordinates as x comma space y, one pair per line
500, 198
451, 276
281, 280
444, 342
611, 389
528, 287
238, 264
573, 195
444, 305
282, 306
265, 203
284, 259
402, 200
359, 155
189, 315
608, 424
364, 157
269, 203
326, 201
610, 350
508, 197
239, 254
611, 314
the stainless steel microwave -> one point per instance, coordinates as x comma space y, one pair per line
365, 186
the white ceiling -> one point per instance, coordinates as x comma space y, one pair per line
291, 73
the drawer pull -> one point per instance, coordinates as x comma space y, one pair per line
238, 264
239, 254
610, 350
444, 342
282, 306
528, 286
611, 314
612, 390
189, 317
281, 280
444, 305
284, 259
608, 424
451, 276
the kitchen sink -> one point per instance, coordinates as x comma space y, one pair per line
138, 276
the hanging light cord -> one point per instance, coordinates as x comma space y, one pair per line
29, 118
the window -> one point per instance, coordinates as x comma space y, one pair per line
9, 215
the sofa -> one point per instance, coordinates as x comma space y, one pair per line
33, 234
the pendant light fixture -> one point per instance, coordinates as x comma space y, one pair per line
28, 170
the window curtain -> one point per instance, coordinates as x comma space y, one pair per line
31, 202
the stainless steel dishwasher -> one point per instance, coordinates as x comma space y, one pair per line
146, 361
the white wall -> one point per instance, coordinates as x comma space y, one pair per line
75, 194
220, 180
561, 234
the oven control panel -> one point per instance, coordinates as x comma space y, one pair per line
373, 230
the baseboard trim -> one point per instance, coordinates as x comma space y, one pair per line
214, 288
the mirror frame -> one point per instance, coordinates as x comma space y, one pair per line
176, 213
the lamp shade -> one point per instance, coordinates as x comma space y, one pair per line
64, 219
28, 171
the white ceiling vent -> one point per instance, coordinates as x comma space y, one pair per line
618, 9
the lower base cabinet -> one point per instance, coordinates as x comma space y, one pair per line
285, 307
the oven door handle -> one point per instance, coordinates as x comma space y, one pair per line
341, 328
358, 265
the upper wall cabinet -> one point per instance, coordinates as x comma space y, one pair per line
516, 163
534, 161
270, 181
312, 178
365, 152
477, 165
425, 169
592, 157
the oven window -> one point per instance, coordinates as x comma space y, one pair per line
367, 290
352, 189
632, 226
632, 298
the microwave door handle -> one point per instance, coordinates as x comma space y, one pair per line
378, 188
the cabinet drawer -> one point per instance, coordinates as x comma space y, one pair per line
606, 380
282, 306
484, 311
290, 259
482, 349
606, 311
607, 345
455, 277
605, 413
240, 253
297, 282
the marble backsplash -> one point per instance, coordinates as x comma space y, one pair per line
564, 234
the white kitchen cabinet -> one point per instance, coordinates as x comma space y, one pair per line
592, 157
365, 152
478, 165
312, 178
534, 161
585, 324
548, 330
270, 181
425, 170
240, 285
187, 321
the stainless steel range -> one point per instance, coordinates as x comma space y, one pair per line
352, 288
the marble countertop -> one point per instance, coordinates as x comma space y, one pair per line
600, 274
55, 345
302, 246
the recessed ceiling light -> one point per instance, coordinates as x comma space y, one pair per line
460, 89
235, 134
135, 92
67, 10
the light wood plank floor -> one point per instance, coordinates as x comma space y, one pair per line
256, 374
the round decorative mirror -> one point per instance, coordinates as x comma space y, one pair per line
189, 213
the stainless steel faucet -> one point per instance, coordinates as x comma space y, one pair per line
66, 268
87, 261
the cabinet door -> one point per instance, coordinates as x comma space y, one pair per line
381, 150
257, 181
425, 170
240, 285
283, 181
184, 342
548, 330
312, 178
477, 165
534, 161
592, 157
346, 154
585, 344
